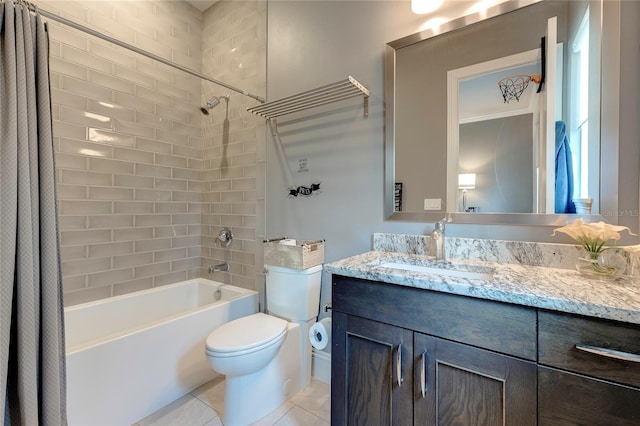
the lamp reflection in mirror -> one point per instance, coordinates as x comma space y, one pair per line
466, 181
420, 7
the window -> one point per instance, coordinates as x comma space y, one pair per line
579, 108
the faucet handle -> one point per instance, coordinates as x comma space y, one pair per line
225, 236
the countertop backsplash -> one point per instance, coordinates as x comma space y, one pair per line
403, 243
550, 255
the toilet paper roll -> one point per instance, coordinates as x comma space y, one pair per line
320, 334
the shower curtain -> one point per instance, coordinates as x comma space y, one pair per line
32, 353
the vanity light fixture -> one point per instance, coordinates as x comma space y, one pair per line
420, 7
480, 7
433, 23
466, 181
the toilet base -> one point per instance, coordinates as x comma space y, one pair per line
251, 397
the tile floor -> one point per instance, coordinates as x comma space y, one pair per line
203, 407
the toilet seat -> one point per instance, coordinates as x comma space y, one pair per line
246, 335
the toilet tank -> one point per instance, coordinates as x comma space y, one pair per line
293, 294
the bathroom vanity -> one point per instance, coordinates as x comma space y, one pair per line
527, 345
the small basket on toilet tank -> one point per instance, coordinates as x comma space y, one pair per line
295, 254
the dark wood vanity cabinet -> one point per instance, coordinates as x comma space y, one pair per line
401, 356
405, 356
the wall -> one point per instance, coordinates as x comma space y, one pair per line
629, 109
314, 43
128, 146
115, 240
499, 152
311, 44
141, 185
234, 50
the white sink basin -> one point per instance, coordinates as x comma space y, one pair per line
461, 271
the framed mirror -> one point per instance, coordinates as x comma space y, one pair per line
447, 118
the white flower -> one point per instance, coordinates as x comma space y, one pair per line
633, 249
593, 236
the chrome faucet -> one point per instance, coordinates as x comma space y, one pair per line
225, 236
438, 238
220, 267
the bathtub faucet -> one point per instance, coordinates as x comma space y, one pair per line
220, 267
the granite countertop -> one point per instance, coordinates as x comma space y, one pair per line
541, 287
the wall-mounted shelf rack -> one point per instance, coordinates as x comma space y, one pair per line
345, 89
324, 95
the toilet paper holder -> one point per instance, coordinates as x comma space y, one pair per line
320, 334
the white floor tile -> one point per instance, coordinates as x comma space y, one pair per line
214, 422
212, 394
316, 399
184, 411
271, 418
300, 417
204, 406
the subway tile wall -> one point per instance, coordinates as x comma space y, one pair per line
138, 185
234, 50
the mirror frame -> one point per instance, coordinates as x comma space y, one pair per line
609, 125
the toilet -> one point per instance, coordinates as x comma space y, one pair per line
266, 358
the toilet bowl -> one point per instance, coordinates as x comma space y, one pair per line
267, 358
259, 355
245, 345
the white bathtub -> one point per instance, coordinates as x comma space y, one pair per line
128, 356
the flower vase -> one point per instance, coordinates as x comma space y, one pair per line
597, 265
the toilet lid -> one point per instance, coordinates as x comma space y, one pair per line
246, 333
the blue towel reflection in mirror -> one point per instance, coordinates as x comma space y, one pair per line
564, 171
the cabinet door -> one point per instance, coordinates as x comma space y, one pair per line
464, 385
371, 373
571, 399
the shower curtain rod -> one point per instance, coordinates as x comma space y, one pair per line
153, 56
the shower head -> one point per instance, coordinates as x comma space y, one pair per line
212, 103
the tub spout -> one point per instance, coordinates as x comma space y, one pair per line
220, 267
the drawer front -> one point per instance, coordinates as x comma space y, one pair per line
501, 327
605, 349
569, 399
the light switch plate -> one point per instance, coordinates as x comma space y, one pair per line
433, 204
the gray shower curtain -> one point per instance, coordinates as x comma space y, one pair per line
32, 354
